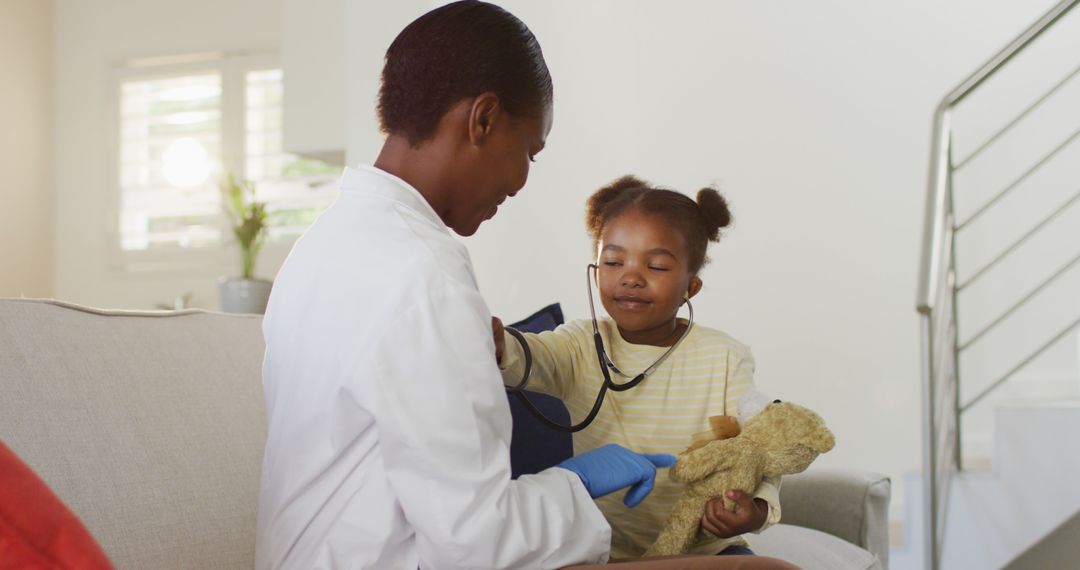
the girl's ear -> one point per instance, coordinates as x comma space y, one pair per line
483, 113
694, 287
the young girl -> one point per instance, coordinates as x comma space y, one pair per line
650, 247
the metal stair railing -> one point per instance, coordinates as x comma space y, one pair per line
940, 288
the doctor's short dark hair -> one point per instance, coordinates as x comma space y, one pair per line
700, 222
457, 51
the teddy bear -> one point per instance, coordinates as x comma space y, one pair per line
782, 439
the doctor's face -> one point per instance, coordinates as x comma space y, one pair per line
503, 168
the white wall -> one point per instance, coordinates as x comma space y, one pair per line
25, 138
314, 57
814, 119
91, 38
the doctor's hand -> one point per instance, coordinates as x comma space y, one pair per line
500, 339
612, 467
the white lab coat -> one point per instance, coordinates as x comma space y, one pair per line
389, 429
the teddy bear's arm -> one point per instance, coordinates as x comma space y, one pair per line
704, 461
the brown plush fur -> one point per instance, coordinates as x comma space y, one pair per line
783, 439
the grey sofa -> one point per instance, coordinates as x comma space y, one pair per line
150, 425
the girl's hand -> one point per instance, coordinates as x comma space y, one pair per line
500, 339
750, 515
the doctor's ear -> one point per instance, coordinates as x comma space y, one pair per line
483, 114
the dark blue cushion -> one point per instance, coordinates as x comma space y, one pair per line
546, 319
533, 445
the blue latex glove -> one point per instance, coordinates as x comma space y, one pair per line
612, 467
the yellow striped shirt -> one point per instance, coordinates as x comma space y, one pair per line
705, 376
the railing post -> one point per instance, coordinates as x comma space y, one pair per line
952, 281
933, 230
930, 283
926, 333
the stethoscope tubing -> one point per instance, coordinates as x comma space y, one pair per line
605, 366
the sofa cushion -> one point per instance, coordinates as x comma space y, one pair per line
546, 319
852, 505
812, 549
149, 426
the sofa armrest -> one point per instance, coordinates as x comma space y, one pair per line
852, 505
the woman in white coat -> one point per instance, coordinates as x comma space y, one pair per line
388, 425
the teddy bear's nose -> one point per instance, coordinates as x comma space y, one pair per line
777, 402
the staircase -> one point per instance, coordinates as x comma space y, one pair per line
999, 300
1031, 490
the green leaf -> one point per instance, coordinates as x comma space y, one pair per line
247, 216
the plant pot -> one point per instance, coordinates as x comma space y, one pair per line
244, 295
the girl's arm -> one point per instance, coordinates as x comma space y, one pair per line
556, 359
769, 491
749, 402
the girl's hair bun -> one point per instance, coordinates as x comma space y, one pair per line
714, 212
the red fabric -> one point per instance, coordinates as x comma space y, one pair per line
36, 529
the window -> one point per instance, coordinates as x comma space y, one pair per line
295, 189
182, 129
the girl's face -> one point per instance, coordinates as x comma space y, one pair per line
644, 276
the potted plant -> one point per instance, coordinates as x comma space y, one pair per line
245, 294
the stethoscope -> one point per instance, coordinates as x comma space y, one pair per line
606, 365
